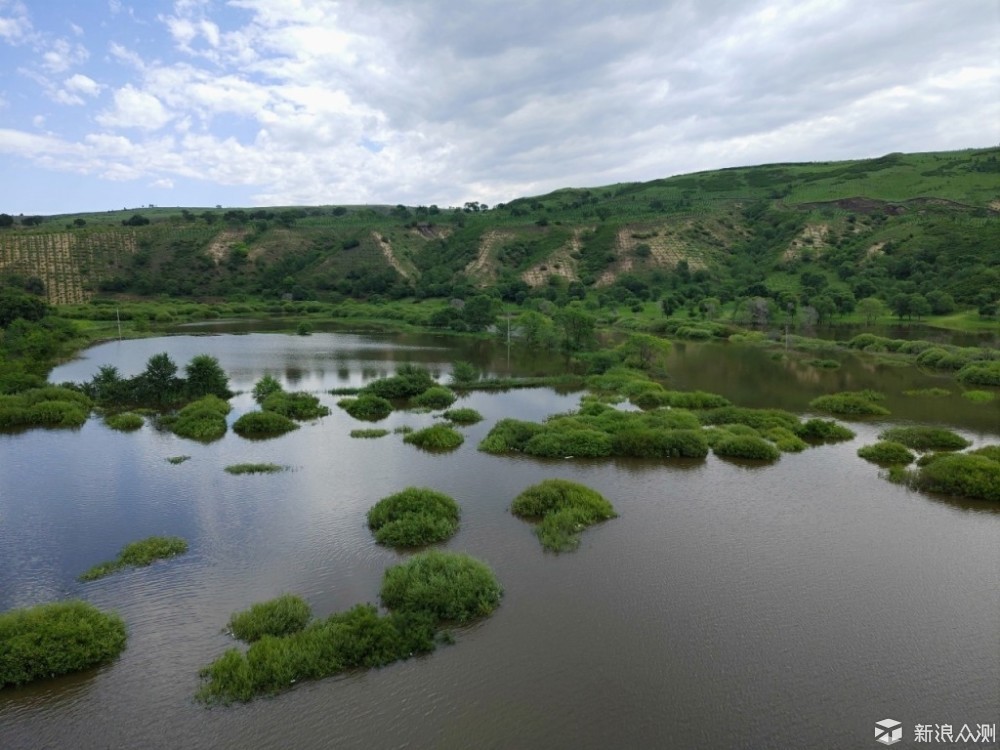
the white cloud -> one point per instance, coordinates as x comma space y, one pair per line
82, 84
164, 184
135, 109
63, 55
38, 121
15, 24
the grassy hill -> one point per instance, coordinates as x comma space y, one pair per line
826, 233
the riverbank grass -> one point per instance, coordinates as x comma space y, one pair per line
54, 639
138, 554
414, 517
563, 509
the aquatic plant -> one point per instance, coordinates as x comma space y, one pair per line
414, 517
369, 433
509, 435
449, 586
265, 387
785, 440
280, 616
439, 437
403, 429
255, 468
759, 419
991, 452
564, 509
964, 474
57, 638
928, 392
980, 373
569, 443
978, 397
50, 406
263, 424
177, 459
367, 407
886, 453
138, 554
204, 419
125, 421
658, 443
746, 446
847, 403
463, 416
823, 430
435, 397
926, 438
408, 381
298, 405
823, 364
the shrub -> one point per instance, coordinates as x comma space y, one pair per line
369, 433
255, 468
964, 474
125, 421
823, 430
925, 438
978, 397
886, 453
298, 405
439, 437
49, 406
53, 639
139, 554
277, 617
509, 435
463, 416
565, 443
435, 397
263, 424
449, 586
414, 517
571, 506
756, 418
849, 404
786, 440
204, 419
408, 381
265, 387
980, 373
746, 446
651, 443
367, 407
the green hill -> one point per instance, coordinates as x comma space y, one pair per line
825, 234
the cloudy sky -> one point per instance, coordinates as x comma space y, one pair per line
107, 104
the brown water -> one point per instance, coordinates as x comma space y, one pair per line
727, 606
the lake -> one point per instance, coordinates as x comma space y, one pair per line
729, 605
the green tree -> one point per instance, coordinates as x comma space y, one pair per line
158, 384
479, 312
578, 328
14, 305
205, 377
645, 352
872, 308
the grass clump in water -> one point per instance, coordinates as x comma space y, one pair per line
54, 639
964, 474
749, 447
823, 364
569, 443
439, 437
928, 392
926, 438
463, 416
255, 468
851, 403
204, 419
991, 452
298, 405
887, 453
50, 406
125, 421
284, 615
823, 431
369, 433
978, 397
449, 586
139, 554
564, 509
263, 424
509, 436
653, 443
178, 459
367, 406
785, 440
414, 517
435, 397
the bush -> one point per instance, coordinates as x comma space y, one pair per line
414, 517
925, 438
367, 407
650, 443
887, 453
968, 475
980, 373
281, 616
439, 437
435, 397
255, 468
50, 406
262, 424
823, 430
569, 443
564, 509
139, 554
746, 446
265, 387
298, 405
125, 421
449, 586
463, 416
54, 639
509, 435
849, 404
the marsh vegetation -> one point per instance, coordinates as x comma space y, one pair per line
414, 517
562, 509
138, 554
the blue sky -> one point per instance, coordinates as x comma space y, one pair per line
108, 104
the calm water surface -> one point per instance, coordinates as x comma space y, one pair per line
728, 606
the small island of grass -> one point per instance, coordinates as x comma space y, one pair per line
54, 639
281, 616
851, 404
263, 424
463, 416
435, 397
125, 421
367, 407
926, 438
887, 453
369, 434
139, 554
414, 517
255, 468
439, 437
203, 420
564, 509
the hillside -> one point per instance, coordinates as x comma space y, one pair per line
825, 234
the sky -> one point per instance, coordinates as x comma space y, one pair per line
111, 104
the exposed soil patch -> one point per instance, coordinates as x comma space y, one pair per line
812, 236
386, 247
484, 268
220, 247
